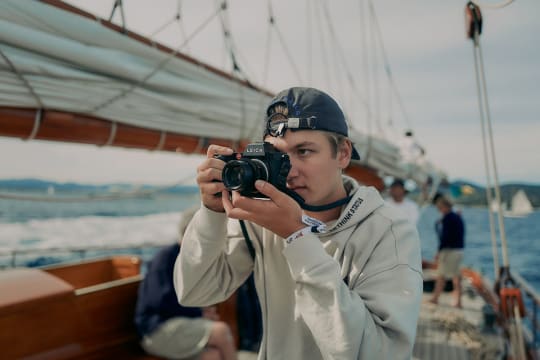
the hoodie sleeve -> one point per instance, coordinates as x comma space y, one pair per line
375, 316
212, 263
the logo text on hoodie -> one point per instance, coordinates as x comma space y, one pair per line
349, 214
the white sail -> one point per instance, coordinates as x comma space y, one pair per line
496, 207
520, 205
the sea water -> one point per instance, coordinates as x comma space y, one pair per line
31, 228
522, 237
154, 219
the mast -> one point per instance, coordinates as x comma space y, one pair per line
511, 302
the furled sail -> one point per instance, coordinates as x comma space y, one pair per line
66, 75
52, 59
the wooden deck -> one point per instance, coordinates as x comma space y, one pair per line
447, 333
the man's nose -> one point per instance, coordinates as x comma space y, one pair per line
293, 172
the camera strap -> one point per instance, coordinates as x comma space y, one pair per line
306, 219
249, 244
316, 208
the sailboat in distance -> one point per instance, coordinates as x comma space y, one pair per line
520, 205
496, 207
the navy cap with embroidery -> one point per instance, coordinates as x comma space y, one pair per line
307, 109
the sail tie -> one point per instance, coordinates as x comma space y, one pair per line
37, 123
161, 143
112, 134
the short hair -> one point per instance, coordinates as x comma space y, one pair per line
336, 140
443, 200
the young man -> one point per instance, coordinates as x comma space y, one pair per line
451, 231
398, 199
349, 290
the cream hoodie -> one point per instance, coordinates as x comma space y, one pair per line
351, 293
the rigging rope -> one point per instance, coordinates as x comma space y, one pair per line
176, 17
118, 4
365, 65
159, 66
286, 48
231, 48
485, 105
324, 55
375, 71
336, 52
266, 68
309, 40
92, 197
488, 174
23, 79
341, 56
493, 6
387, 67
505, 283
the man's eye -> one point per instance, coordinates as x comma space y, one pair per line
304, 151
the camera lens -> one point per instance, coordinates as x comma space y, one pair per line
240, 175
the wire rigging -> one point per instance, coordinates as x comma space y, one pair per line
266, 66
286, 50
387, 67
375, 74
309, 45
365, 64
159, 66
181, 23
335, 51
492, 6
342, 58
23, 80
324, 55
119, 5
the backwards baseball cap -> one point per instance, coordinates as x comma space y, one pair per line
307, 109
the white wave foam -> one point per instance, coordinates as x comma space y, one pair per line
90, 231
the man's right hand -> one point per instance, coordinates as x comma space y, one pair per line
209, 177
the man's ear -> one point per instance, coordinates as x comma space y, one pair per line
344, 153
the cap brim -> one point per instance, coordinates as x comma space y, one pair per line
355, 154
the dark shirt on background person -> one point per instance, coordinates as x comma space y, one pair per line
451, 231
157, 300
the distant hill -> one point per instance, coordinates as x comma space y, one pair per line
37, 185
468, 193
462, 191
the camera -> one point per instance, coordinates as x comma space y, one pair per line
259, 161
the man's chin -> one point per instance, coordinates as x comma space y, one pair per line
303, 192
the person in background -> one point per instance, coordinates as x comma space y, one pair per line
337, 274
173, 331
398, 199
451, 231
410, 150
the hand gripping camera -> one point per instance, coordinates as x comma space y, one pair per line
259, 161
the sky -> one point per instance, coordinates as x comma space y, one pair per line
432, 66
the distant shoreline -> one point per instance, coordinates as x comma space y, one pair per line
474, 196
